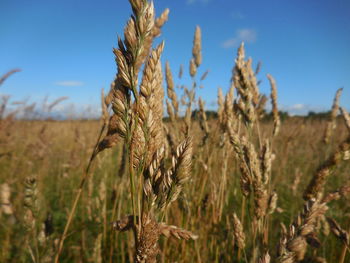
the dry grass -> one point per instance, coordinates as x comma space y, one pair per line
59, 154
133, 187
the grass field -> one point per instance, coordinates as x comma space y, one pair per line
55, 154
237, 185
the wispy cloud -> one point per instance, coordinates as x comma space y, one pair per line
190, 2
237, 15
69, 83
246, 35
297, 107
302, 109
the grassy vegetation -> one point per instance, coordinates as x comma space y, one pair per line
56, 153
240, 186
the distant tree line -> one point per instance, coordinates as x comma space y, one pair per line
267, 116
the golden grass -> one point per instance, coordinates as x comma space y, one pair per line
133, 187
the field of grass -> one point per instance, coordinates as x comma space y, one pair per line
240, 186
54, 155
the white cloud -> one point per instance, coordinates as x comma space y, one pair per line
69, 83
245, 35
190, 2
237, 15
297, 107
302, 109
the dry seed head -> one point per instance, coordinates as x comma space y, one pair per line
123, 68
124, 224
145, 32
261, 199
116, 129
136, 5
170, 88
139, 34
190, 94
272, 203
229, 99
169, 79
187, 119
260, 108
197, 47
170, 111
284, 255
205, 74
179, 172
341, 192
266, 162
181, 70
183, 98
252, 81
150, 80
238, 232
324, 225
313, 240
139, 143
182, 161
252, 159
6, 75
155, 166
296, 181
153, 177
287, 258
220, 106
331, 125
240, 146
109, 97
228, 114
5, 196
240, 54
245, 179
245, 82
118, 122
104, 107
193, 68
203, 117
246, 110
258, 68
276, 117
238, 143
160, 21
30, 201
293, 246
130, 35
150, 109
174, 231
318, 181
56, 102
346, 117
201, 104
335, 106
313, 210
336, 229
298, 245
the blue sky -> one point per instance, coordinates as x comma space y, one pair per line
64, 48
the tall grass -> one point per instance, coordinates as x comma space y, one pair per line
134, 186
